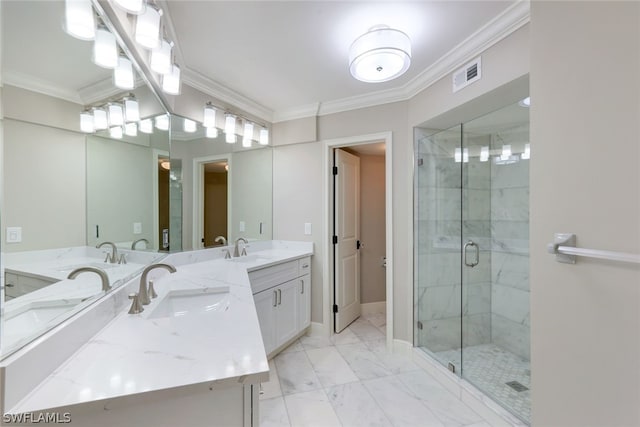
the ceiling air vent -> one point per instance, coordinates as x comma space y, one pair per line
467, 74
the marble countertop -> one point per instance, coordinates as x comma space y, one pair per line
140, 354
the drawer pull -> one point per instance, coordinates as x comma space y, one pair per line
275, 298
302, 284
305, 265
10, 285
279, 296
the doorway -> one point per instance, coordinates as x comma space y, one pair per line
369, 283
212, 200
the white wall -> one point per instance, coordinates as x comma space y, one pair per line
585, 179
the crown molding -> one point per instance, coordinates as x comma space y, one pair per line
25, 81
300, 112
224, 94
491, 33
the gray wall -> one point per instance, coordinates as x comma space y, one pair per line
585, 318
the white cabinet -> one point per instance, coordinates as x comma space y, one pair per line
282, 295
17, 284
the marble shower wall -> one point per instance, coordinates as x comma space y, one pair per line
510, 327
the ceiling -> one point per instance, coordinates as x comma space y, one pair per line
276, 60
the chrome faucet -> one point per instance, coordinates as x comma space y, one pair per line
113, 256
221, 240
133, 245
237, 253
100, 272
143, 294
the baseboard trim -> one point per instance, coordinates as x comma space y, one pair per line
317, 329
402, 347
373, 308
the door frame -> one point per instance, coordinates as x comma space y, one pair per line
155, 156
329, 145
198, 196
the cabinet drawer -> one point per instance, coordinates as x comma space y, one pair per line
304, 266
269, 277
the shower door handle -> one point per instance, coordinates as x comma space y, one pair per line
477, 248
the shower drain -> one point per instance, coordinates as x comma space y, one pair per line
517, 386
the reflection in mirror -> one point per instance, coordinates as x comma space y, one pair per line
65, 191
227, 188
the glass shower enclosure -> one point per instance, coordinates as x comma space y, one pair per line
471, 274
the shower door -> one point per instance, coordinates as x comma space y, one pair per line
471, 290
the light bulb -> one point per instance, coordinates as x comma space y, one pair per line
115, 132
147, 32
131, 129
230, 138
526, 155
145, 126
131, 110
264, 137
189, 126
506, 152
248, 134
161, 58
457, 155
116, 115
209, 119
134, 7
100, 119
162, 122
80, 21
230, 125
171, 81
484, 154
105, 49
86, 122
211, 132
123, 74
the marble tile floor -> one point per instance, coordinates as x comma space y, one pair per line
490, 368
350, 380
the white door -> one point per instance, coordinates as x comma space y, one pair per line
347, 231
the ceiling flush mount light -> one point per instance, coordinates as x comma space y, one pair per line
209, 117
380, 55
264, 137
134, 7
80, 22
147, 32
105, 49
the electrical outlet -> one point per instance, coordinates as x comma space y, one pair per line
242, 226
14, 234
137, 228
307, 229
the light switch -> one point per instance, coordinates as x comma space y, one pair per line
14, 234
137, 228
242, 225
307, 229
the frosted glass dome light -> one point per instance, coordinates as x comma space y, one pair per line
380, 55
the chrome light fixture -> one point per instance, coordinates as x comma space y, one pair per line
209, 117
123, 74
147, 32
80, 21
145, 126
230, 128
134, 7
380, 55
161, 57
105, 49
171, 81
248, 134
131, 109
264, 137
86, 122
100, 121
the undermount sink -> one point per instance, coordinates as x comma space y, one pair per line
250, 259
36, 314
186, 302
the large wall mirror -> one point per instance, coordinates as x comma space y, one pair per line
226, 188
65, 191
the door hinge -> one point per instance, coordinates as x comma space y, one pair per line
335, 240
335, 170
335, 308
358, 244
420, 162
420, 325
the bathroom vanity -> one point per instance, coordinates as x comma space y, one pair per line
194, 356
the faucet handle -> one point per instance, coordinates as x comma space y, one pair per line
107, 259
244, 251
151, 291
136, 307
122, 259
227, 254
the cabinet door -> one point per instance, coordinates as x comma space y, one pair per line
287, 312
304, 302
266, 308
